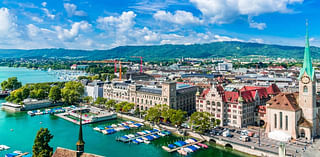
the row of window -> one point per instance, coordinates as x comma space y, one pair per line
280, 121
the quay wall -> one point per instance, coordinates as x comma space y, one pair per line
245, 149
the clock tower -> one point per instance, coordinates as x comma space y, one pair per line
307, 88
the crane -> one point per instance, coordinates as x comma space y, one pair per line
140, 61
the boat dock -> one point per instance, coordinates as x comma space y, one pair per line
122, 139
178, 148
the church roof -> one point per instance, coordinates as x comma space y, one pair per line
284, 101
307, 62
304, 123
63, 152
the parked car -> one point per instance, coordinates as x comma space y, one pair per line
244, 132
244, 138
238, 132
232, 130
250, 134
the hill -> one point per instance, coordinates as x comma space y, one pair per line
163, 52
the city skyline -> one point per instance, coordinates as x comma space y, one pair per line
106, 24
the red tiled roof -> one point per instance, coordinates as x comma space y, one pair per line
284, 101
63, 152
273, 89
205, 92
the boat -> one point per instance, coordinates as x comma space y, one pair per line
146, 141
140, 140
182, 152
31, 113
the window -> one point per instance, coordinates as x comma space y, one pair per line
305, 89
280, 120
213, 103
286, 122
275, 120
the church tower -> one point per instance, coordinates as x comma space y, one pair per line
307, 88
80, 143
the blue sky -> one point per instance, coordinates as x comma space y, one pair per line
104, 24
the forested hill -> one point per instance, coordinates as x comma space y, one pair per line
162, 52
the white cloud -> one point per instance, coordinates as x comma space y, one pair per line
72, 10
179, 17
44, 4
48, 14
8, 27
257, 25
36, 19
73, 33
257, 40
225, 11
32, 30
122, 23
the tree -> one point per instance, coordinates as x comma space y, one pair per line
72, 92
110, 103
178, 117
41, 94
100, 100
55, 94
153, 114
41, 146
127, 107
11, 84
200, 121
88, 99
119, 106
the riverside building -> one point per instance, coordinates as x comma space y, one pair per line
179, 96
236, 107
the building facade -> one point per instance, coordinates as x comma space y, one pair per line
296, 114
175, 96
237, 107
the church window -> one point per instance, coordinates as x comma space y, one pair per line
305, 89
280, 120
275, 120
286, 122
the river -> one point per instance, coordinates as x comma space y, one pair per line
18, 130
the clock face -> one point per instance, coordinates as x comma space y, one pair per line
305, 79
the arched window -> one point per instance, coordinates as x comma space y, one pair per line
305, 89
213, 103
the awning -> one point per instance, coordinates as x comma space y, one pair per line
279, 136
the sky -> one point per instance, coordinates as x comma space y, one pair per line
105, 24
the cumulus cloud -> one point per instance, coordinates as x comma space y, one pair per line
8, 27
36, 19
222, 11
73, 33
71, 9
121, 23
179, 17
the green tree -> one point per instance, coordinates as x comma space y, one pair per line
100, 100
41, 146
55, 94
41, 94
200, 121
153, 115
88, 99
11, 84
178, 117
119, 106
72, 92
127, 107
110, 103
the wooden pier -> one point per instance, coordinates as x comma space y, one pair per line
175, 149
130, 139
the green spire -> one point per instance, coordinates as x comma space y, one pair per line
80, 143
307, 62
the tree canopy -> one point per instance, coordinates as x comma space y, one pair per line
41, 146
72, 92
11, 84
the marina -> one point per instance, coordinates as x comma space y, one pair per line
110, 129
185, 147
143, 136
20, 130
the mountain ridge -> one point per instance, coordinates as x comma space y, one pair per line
164, 52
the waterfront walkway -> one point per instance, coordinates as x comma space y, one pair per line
175, 149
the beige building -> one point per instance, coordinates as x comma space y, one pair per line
238, 107
296, 114
179, 96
